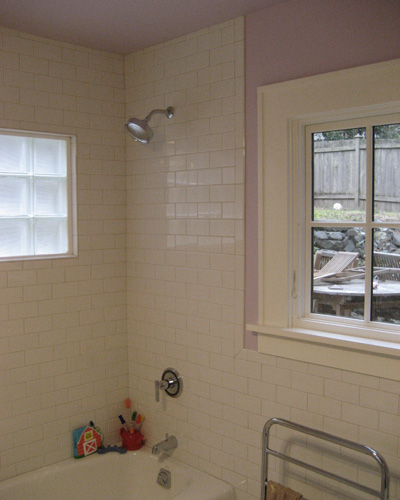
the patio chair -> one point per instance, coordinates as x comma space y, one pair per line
337, 264
387, 266
322, 257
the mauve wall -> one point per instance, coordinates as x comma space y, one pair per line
297, 39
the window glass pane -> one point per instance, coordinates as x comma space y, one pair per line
50, 157
35, 196
51, 236
386, 276
387, 173
339, 168
50, 196
14, 195
14, 154
16, 237
338, 274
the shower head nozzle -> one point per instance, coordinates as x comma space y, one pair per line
140, 130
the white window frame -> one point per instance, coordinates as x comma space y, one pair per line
285, 110
301, 316
72, 250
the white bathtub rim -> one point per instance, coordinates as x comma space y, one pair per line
206, 486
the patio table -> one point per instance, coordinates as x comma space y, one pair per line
345, 297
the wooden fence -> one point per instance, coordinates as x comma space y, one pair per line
339, 174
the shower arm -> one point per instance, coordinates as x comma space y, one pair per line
169, 113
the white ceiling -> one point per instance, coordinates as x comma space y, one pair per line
121, 26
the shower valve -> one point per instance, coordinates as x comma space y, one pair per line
171, 383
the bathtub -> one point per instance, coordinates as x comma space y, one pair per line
112, 476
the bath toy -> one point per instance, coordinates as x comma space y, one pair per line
108, 448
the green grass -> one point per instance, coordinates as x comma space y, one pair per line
328, 214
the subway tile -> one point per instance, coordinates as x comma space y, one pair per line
21, 80
33, 64
324, 406
389, 423
222, 228
65, 321
210, 74
342, 391
23, 310
211, 142
198, 227
19, 112
307, 383
199, 194
222, 54
389, 386
209, 41
198, 61
211, 108
381, 441
385, 401
340, 428
15, 43
248, 369
47, 51
198, 94
39, 355
292, 398
219, 90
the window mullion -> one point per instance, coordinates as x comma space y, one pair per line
31, 196
368, 222
31, 175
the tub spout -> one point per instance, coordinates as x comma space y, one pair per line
168, 444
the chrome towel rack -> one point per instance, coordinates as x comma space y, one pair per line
383, 494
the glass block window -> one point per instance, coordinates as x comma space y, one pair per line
37, 182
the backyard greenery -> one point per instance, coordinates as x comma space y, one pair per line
329, 214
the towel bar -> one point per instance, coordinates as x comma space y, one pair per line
383, 494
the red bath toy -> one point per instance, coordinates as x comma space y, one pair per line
131, 440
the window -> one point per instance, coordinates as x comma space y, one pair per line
306, 207
353, 220
37, 214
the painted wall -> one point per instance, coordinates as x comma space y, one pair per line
301, 38
63, 356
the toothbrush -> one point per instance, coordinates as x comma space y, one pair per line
138, 419
141, 422
123, 421
127, 413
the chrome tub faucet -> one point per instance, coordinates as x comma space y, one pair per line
169, 443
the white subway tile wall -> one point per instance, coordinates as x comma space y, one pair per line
185, 194
63, 339
63, 343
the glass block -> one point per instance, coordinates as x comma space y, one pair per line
50, 157
387, 173
51, 236
50, 195
16, 237
339, 175
15, 196
14, 154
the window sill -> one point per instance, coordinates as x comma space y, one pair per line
361, 355
22, 258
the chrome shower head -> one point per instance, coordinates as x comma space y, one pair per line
140, 130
